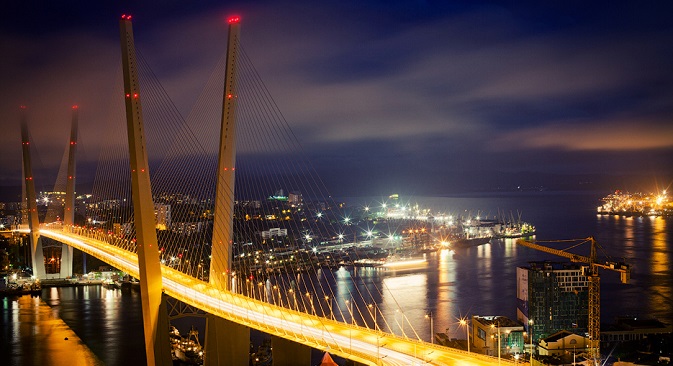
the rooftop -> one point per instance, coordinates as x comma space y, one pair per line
497, 320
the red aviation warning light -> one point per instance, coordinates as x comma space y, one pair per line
127, 17
75, 106
234, 19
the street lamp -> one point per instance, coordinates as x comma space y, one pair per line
329, 304
507, 340
373, 308
349, 303
492, 327
467, 332
530, 325
308, 294
432, 332
400, 325
294, 299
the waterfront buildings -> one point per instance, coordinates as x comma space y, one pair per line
552, 297
638, 204
490, 333
563, 343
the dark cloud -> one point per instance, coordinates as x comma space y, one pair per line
438, 89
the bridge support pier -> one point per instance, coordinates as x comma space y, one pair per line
37, 254
227, 343
66, 261
289, 353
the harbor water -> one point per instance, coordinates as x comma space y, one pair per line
472, 281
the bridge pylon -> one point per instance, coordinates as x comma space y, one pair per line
223, 220
226, 342
69, 207
155, 317
30, 202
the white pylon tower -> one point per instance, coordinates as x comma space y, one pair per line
30, 202
155, 318
69, 207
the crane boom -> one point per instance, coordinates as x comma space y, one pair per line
624, 269
621, 267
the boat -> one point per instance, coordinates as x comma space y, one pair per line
263, 356
111, 284
470, 242
514, 229
396, 262
33, 289
186, 351
518, 230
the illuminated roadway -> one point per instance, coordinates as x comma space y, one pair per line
350, 341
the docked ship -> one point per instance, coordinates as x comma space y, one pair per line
470, 242
21, 289
516, 230
471, 233
186, 351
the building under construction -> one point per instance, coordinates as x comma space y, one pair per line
552, 297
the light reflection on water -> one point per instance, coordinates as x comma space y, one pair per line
34, 336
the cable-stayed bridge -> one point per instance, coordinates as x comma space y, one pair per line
214, 228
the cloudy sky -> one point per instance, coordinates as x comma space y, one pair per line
416, 97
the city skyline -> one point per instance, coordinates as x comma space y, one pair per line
416, 98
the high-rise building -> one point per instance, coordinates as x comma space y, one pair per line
162, 212
552, 297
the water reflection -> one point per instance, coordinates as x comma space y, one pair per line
660, 292
34, 336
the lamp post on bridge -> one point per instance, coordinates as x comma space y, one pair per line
349, 303
310, 299
467, 332
294, 299
372, 308
329, 304
432, 332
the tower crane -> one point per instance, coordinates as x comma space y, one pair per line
594, 323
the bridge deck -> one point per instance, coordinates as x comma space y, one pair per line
351, 341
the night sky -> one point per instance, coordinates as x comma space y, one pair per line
413, 97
